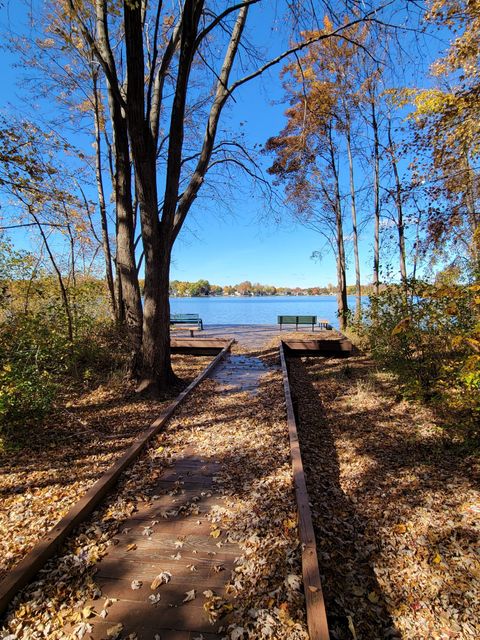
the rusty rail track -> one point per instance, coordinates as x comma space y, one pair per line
28, 567
315, 604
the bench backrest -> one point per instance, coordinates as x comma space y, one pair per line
184, 316
287, 319
296, 319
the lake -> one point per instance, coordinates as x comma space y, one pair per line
258, 309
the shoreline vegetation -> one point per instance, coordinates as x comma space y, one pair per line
203, 289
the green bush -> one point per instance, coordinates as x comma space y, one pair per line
430, 337
26, 395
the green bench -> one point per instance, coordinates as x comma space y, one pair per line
187, 318
297, 320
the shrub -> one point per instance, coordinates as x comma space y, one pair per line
26, 395
431, 339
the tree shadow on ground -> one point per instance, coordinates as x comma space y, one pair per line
353, 596
62, 456
408, 493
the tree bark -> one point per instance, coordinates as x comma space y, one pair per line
399, 205
376, 196
101, 198
341, 268
125, 256
358, 286
125, 241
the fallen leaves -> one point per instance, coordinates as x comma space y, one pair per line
67, 454
154, 598
114, 632
396, 539
254, 509
163, 578
293, 581
190, 595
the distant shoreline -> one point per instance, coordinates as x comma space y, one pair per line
273, 295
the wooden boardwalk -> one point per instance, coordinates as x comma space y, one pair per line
171, 541
168, 572
177, 552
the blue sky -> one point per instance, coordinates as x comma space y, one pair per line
228, 244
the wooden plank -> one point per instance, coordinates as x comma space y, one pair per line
218, 343
316, 614
197, 346
27, 568
336, 348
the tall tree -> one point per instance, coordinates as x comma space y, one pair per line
151, 57
446, 123
306, 157
42, 197
325, 94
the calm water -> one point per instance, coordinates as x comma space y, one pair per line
258, 310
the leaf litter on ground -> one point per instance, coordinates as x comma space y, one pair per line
256, 499
67, 454
392, 496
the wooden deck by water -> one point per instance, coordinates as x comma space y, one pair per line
250, 336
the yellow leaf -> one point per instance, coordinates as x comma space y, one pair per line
401, 326
115, 631
87, 612
352, 627
437, 559
399, 528
215, 533
290, 523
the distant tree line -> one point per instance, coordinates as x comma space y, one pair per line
179, 288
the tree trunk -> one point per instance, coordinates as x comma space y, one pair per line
358, 286
61, 284
341, 271
156, 372
156, 369
399, 205
125, 256
473, 215
376, 195
101, 198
